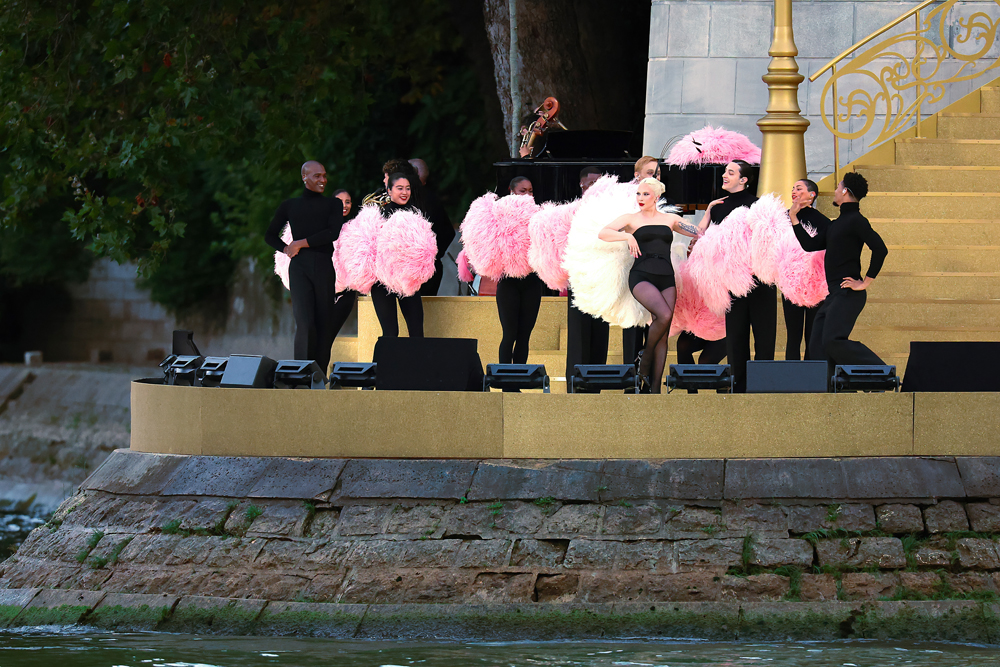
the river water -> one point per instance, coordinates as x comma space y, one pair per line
85, 648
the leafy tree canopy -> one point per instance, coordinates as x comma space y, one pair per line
132, 121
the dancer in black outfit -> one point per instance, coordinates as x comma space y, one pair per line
315, 222
843, 239
634, 338
799, 319
518, 301
651, 280
758, 310
586, 336
348, 299
383, 300
444, 231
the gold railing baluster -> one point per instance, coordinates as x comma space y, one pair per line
890, 84
836, 136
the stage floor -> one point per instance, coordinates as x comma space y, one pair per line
411, 424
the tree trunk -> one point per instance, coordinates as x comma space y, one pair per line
589, 57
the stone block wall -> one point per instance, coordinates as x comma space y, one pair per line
706, 60
110, 319
459, 532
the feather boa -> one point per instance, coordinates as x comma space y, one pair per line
598, 270
548, 230
281, 260
357, 248
713, 145
405, 252
767, 219
690, 312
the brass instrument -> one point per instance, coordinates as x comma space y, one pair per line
546, 112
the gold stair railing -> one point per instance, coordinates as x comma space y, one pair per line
888, 80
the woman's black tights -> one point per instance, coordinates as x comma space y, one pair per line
518, 301
412, 308
661, 305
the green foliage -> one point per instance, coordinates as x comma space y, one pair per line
833, 513
495, 508
172, 527
252, 513
167, 133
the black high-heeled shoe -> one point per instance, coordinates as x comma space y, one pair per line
645, 385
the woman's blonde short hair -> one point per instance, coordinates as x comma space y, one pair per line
643, 161
654, 184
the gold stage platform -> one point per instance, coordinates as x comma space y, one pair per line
404, 424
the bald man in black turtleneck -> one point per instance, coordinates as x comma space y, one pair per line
315, 222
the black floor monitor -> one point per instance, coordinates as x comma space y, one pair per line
428, 364
787, 377
952, 366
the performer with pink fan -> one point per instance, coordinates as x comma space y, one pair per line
799, 319
757, 310
404, 260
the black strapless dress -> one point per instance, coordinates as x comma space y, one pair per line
653, 263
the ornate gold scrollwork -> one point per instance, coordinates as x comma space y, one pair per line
894, 82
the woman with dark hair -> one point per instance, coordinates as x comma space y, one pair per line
518, 298
344, 196
758, 310
400, 194
345, 301
799, 319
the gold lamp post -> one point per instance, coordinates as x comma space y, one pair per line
783, 156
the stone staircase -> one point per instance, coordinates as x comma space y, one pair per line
938, 210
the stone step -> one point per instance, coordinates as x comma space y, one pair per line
940, 259
989, 99
932, 205
948, 152
968, 315
968, 126
941, 232
937, 285
930, 178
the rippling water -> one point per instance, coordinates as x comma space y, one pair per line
28, 648
14, 527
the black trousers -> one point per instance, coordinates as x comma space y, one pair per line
586, 338
312, 282
342, 309
797, 320
412, 308
633, 340
712, 351
834, 322
430, 288
518, 301
758, 311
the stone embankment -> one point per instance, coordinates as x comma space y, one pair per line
860, 540
58, 422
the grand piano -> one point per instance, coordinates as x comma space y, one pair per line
555, 173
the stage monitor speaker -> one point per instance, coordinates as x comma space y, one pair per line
249, 371
952, 366
183, 343
787, 377
428, 364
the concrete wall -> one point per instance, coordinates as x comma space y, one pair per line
706, 60
112, 320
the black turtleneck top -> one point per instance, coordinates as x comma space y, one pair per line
842, 239
313, 217
744, 197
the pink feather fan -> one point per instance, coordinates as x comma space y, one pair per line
405, 256
713, 145
478, 234
465, 273
801, 274
691, 313
357, 248
281, 260
548, 230
768, 218
512, 215
720, 261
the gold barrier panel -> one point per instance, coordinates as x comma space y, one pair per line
403, 424
956, 424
